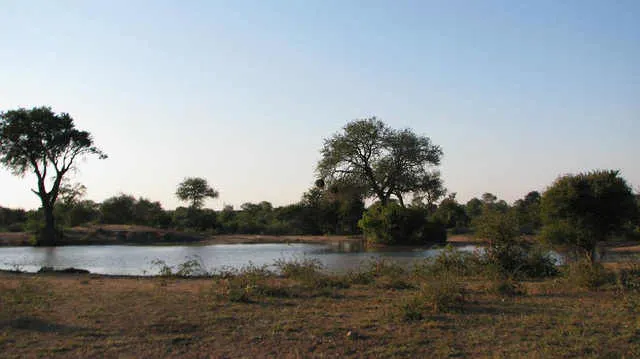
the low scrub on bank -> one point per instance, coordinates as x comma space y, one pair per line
259, 311
444, 293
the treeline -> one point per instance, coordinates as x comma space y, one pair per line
462, 218
319, 212
367, 159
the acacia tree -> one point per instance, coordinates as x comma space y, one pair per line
195, 190
383, 161
48, 144
584, 209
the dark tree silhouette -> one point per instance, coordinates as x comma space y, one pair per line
195, 190
48, 144
384, 162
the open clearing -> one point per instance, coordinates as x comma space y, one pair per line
85, 316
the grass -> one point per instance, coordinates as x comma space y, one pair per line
300, 311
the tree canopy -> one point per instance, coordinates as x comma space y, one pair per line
586, 208
195, 190
384, 162
48, 144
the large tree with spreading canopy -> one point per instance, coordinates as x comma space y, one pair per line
48, 144
384, 162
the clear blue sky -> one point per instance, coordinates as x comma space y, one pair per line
243, 92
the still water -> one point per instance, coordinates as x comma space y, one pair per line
137, 260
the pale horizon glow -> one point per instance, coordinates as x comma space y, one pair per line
243, 93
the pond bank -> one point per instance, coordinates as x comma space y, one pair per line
140, 235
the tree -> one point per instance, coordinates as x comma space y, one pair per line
118, 209
503, 235
451, 213
489, 198
584, 209
528, 212
474, 208
383, 161
393, 224
148, 213
48, 144
69, 193
430, 191
195, 190
333, 210
72, 209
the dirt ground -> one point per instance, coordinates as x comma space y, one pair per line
87, 316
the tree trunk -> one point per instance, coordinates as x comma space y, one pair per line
48, 236
383, 199
593, 253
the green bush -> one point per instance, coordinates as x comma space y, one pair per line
539, 263
394, 224
507, 253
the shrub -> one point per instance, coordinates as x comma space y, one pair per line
506, 288
412, 309
308, 271
164, 269
539, 263
394, 283
386, 273
302, 269
629, 278
192, 267
585, 274
449, 260
236, 289
380, 267
394, 224
508, 254
360, 277
442, 294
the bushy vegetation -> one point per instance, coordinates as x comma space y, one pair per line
450, 260
443, 293
12, 220
585, 274
584, 209
507, 252
394, 224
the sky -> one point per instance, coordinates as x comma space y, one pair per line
243, 93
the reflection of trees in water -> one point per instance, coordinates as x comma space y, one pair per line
601, 255
49, 257
350, 246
